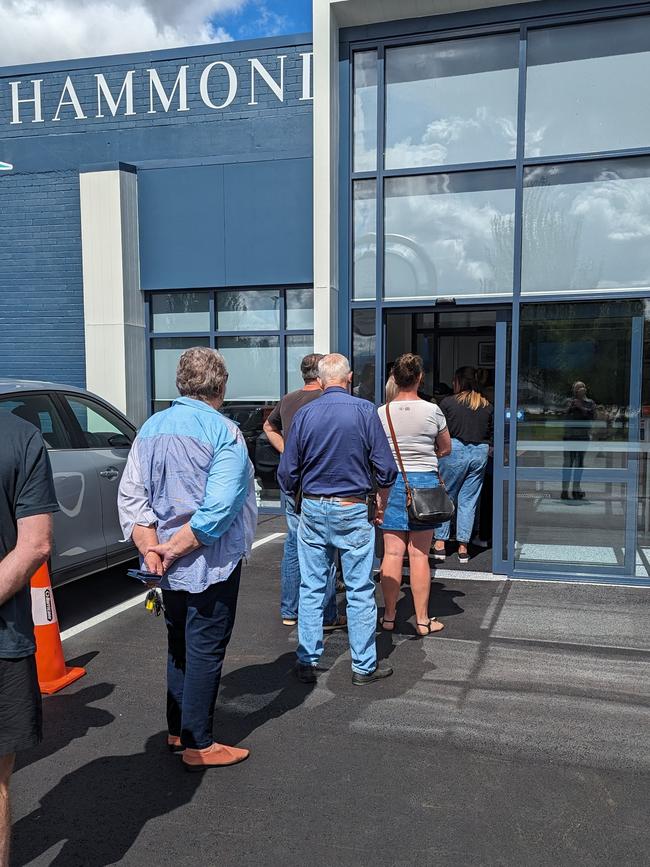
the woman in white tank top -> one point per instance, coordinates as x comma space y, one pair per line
422, 437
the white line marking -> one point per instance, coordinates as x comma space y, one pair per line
266, 539
105, 615
131, 603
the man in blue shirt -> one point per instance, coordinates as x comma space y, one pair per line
337, 453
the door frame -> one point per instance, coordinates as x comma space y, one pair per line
504, 311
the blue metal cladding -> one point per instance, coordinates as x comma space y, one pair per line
268, 212
180, 211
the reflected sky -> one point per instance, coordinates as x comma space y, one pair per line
587, 227
365, 111
451, 102
365, 240
449, 235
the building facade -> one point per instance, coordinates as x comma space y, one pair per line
467, 180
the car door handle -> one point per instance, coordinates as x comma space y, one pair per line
110, 473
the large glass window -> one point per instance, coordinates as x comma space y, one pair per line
452, 102
253, 366
248, 310
300, 309
574, 385
365, 111
364, 340
448, 235
557, 531
298, 345
586, 87
166, 352
365, 240
180, 311
586, 226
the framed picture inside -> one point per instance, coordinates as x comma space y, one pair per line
486, 354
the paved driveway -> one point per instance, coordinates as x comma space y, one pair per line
521, 737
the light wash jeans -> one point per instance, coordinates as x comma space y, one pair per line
463, 472
290, 572
325, 526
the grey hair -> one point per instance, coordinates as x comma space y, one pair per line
201, 374
333, 368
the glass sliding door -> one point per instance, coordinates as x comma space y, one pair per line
580, 438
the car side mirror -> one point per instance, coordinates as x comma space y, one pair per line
119, 441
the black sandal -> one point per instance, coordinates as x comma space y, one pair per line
383, 620
429, 631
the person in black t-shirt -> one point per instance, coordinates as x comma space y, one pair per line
27, 499
470, 421
276, 427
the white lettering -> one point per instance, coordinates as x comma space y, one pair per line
104, 91
232, 84
306, 76
73, 100
16, 102
278, 89
180, 84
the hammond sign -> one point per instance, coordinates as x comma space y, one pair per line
217, 85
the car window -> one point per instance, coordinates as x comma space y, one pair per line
101, 428
39, 410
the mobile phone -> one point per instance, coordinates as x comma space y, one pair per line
144, 576
372, 508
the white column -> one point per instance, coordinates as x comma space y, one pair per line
325, 114
113, 304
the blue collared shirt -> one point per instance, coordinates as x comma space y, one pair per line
189, 464
335, 446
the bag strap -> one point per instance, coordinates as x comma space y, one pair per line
398, 454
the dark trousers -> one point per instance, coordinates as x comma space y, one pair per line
199, 626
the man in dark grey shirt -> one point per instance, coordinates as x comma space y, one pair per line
276, 427
27, 499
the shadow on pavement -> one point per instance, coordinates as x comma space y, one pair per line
100, 809
246, 686
69, 716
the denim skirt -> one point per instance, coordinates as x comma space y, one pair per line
396, 516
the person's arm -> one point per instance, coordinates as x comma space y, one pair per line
381, 461
34, 503
273, 428
275, 437
443, 444
289, 470
137, 518
225, 491
33, 547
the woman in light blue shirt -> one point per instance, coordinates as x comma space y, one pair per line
187, 500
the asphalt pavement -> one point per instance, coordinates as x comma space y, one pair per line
518, 736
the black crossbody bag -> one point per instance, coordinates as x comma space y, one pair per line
424, 506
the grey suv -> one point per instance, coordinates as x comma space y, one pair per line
88, 441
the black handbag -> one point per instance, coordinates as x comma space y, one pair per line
424, 506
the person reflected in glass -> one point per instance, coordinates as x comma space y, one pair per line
470, 418
579, 413
366, 386
422, 437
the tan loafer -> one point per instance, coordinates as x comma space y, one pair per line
214, 756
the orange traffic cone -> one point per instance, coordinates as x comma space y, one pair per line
53, 674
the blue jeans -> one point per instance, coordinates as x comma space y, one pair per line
290, 572
462, 472
199, 626
325, 526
